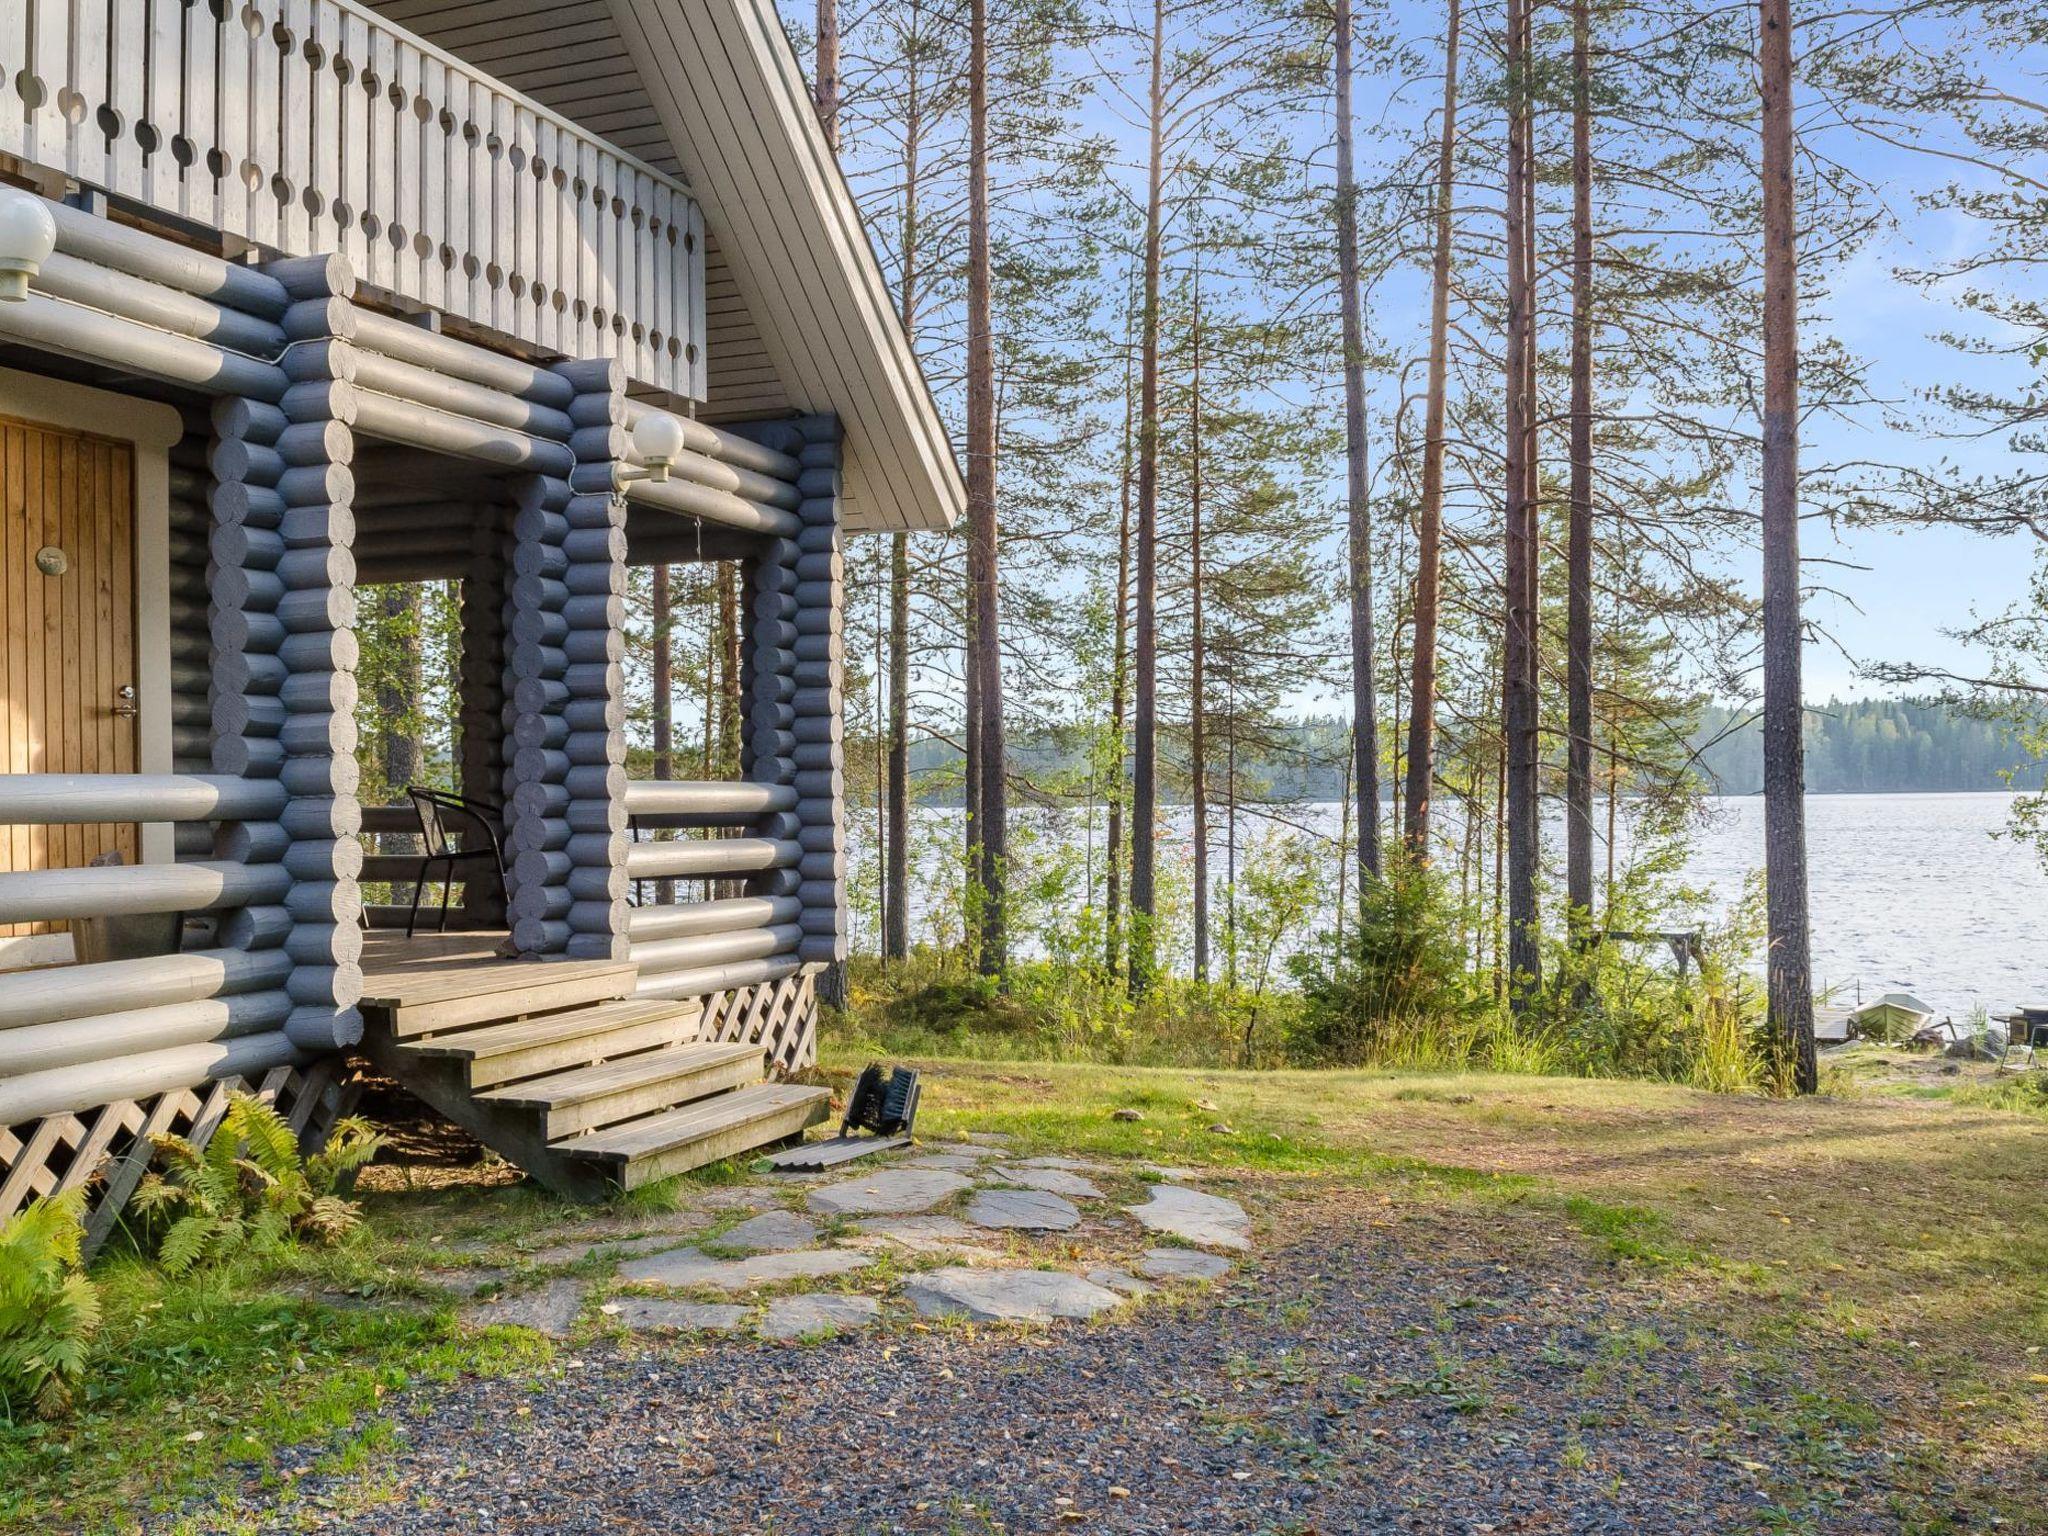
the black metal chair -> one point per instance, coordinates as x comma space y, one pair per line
454, 831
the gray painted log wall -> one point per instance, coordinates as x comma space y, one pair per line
142, 1019
819, 703
483, 686
791, 700
594, 686
284, 590
191, 519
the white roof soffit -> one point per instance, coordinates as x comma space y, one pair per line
726, 84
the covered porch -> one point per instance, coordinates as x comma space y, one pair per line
351, 446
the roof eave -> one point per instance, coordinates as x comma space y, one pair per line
725, 82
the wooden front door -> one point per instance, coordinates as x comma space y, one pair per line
67, 629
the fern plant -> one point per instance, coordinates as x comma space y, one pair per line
49, 1310
249, 1190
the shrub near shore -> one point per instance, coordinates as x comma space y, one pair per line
1399, 988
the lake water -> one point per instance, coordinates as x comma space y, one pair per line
1909, 892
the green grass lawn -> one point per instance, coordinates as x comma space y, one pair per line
1892, 1246
1889, 1240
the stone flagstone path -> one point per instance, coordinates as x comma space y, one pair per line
961, 1231
1209, 1220
1008, 1295
1025, 1210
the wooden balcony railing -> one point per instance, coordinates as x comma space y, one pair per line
305, 126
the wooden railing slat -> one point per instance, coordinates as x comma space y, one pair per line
278, 121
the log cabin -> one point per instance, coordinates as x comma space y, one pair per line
298, 296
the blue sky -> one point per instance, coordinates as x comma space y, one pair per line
1914, 581
1918, 580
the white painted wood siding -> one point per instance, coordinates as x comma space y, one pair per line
315, 125
567, 55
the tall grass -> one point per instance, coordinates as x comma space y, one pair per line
1727, 1058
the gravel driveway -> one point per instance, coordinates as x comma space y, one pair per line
1364, 1374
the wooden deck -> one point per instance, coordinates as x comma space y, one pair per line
436, 968
558, 1067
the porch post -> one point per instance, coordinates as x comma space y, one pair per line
595, 708
536, 796
283, 621
818, 702
565, 706
482, 683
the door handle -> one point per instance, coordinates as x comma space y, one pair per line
125, 706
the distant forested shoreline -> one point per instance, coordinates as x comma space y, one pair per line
1853, 747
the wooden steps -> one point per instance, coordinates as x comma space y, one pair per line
556, 1067
656, 1146
504, 1053
642, 1084
521, 989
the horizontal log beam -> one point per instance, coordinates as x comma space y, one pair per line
66, 1090
422, 426
150, 303
444, 354
52, 993
654, 537
701, 797
701, 950
449, 565
403, 380
139, 254
686, 919
391, 818
47, 895
692, 500
708, 858
77, 799
716, 978
727, 447
110, 1036
93, 336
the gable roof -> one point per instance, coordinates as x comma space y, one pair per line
798, 315
725, 82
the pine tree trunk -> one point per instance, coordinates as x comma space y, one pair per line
1198, 744
825, 88
1120, 663
1519, 707
970, 748
1230, 847
1496, 926
1790, 967
1578, 794
398, 701
728, 671
1430, 517
981, 507
896, 856
896, 862
729, 756
1364, 704
1145, 765
1344, 836
711, 760
662, 706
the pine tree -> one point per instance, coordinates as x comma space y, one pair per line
1790, 968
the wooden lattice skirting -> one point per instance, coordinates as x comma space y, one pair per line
782, 1015
113, 1141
